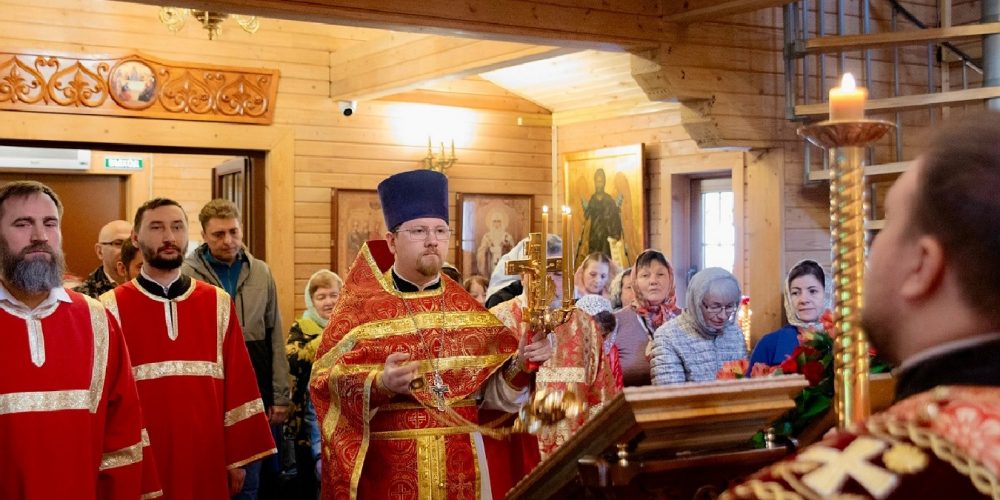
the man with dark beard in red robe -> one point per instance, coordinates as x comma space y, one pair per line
70, 420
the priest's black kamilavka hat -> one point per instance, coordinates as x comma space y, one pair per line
413, 195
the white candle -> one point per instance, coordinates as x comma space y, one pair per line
847, 102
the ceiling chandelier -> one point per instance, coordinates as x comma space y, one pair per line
175, 17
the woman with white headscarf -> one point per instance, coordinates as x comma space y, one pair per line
693, 346
321, 295
806, 300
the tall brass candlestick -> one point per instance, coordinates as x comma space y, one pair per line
567, 258
845, 142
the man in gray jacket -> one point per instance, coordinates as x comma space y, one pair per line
224, 262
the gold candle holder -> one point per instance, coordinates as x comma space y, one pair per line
845, 142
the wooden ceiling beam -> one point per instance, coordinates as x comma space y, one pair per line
401, 62
690, 11
909, 102
898, 38
621, 24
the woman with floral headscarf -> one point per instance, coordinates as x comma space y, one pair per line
694, 346
805, 303
654, 304
321, 295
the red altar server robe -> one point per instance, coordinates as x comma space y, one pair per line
578, 364
199, 395
70, 420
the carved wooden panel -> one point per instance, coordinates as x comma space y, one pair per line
136, 85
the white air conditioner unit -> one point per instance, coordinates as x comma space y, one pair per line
44, 158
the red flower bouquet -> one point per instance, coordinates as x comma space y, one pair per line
814, 359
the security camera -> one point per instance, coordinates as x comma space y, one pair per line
347, 107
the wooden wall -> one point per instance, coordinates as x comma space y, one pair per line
330, 150
181, 177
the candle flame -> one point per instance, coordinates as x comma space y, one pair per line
565, 209
847, 82
545, 209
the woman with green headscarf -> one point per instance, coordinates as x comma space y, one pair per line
693, 346
321, 294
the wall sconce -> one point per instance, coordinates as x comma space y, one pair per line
175, 17
439, 162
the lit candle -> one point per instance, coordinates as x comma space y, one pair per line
453, 148
567, 259
545, 222
847, 102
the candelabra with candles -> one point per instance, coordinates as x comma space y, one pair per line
439, 162
546, 408
845, 136
743, 315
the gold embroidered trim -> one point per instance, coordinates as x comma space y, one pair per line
24, 402
755, 488
254, 458
78, 399
151, 371
458, 403
120, 458
33, 323
562, 374
980, 476
222, 304
427, 365
155, 494
419, 433
243, 412
366, 416
99, 325
110, 302
145, 437
432, 480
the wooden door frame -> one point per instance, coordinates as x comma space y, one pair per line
758, 191
276, 143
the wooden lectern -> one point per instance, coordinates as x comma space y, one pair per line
676, 441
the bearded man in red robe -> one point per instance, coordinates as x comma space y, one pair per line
408, 359
70, 420
198, 390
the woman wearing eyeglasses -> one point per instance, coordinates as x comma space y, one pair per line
693, 346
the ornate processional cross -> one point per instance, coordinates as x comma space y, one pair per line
538, 290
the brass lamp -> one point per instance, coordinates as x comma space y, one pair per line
175, 18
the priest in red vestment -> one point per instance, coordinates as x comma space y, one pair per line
70, 419
407, 361
199, 395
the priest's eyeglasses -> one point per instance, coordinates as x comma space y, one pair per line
717, 308
422, 233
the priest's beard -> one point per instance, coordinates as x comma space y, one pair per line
163, 263
32, 275
429, 265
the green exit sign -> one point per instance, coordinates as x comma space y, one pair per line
122, 163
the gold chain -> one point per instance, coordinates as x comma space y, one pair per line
444, 413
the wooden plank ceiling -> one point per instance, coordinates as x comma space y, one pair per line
574, 81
